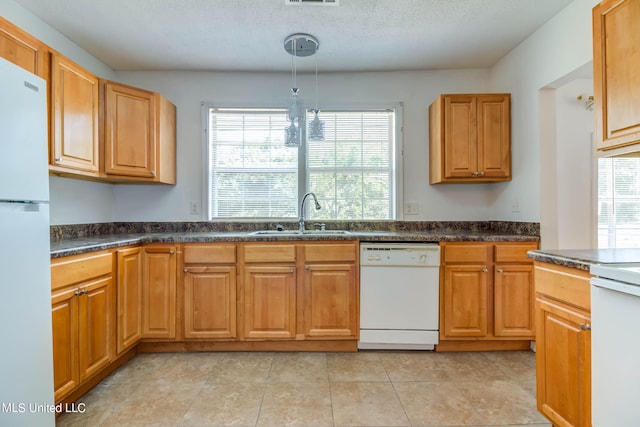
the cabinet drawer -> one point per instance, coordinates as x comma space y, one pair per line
513, 253
330, 252
68, 271
270, 253
565, 284
466, 253
210, 254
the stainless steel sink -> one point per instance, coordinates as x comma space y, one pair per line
275, 233
326, 232
297, 232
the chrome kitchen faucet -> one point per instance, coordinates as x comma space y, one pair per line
318, 207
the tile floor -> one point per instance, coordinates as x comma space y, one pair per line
316, 389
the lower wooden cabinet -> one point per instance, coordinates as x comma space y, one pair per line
331, 304
82, 319
269, 302
210, 291
269, 283
563, 345
513, 289
305, 291
129, 298
486, 294
159, 291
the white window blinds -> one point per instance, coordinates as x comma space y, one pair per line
252, 174
618, 203
352, 170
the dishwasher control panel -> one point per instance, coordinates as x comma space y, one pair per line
400, 254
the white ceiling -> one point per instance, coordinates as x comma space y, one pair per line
248, 35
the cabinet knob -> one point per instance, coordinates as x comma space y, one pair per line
306, 267
58, 159
171, 252
186, 270
585, 326
485, 269
481, 173
499, 270
153, 173
77, 292
291, 270
475, 173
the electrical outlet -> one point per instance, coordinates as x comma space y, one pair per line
411, 208
515, 206
194, 208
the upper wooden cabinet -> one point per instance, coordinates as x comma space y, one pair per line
99, 130
470, 138
22, 49
74, 118
139, 135
616, 75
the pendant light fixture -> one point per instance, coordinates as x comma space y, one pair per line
316, 126
297, 45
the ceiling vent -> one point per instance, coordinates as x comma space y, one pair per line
312, 2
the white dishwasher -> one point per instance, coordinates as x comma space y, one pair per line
399, 295
615, 348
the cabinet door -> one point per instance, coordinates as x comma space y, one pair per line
513, 294
94, 326
460, 136
64, 316
331, 301
616, 73
129, 135
464, 297
74, 122
210, 302
563, 364
129, 298
20, 48
159, 292
269, 302
494, 136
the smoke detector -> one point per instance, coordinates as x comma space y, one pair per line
312, 2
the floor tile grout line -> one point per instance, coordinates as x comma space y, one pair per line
264, 391
395, 391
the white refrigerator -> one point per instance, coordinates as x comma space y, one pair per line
26, 361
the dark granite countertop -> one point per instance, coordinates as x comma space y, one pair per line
68, 241
79, 245
582, 259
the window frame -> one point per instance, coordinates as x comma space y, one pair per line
396, 196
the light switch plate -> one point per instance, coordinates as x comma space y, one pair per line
411, 208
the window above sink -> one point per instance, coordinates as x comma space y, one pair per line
252, 175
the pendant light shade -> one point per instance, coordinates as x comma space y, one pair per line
299, 45
316, 127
